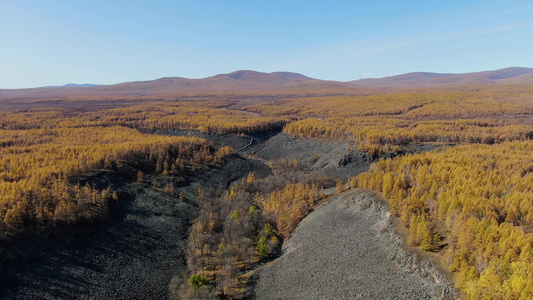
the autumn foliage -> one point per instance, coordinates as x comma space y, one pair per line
44, 153
476, 200
472, 201
381, 123
287, 207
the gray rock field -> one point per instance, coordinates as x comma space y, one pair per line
133, 256
347, 249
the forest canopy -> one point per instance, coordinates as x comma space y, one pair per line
471, 200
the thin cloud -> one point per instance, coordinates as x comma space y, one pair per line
483, 31
345, 51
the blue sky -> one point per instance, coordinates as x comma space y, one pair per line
56, 42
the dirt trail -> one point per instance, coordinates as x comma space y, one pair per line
347, 249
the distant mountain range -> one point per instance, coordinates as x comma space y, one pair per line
252, 81
72, 85
79, 85
236, 81
232, 83
420, 79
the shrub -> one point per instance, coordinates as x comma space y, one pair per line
197, 281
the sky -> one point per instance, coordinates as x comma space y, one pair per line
55, 42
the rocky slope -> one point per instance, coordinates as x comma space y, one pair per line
347, 249
133, 256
